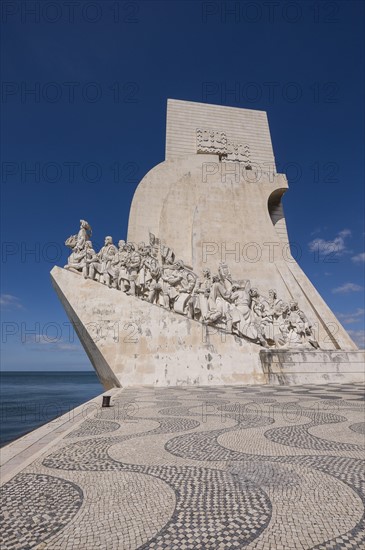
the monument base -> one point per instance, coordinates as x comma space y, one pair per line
289, 367
131, 342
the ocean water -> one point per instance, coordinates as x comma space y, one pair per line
31, 399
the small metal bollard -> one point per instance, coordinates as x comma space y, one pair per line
106, 400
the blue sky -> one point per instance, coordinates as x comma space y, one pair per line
83, 119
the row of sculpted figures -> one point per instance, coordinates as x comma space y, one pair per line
151, 273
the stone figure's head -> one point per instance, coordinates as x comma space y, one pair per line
88, 244
272, 294
254, 292
108, 240
121, 244
284, 307
293, 305
179, 264
216, 279
71, 241
84, 225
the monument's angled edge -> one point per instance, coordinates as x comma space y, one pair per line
205, 290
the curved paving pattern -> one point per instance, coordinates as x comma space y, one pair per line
34, 507
359, 428
94, 427
204, 446
300, 437
213, 510
233, 468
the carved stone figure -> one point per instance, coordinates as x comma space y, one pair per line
89, 259
225, 275
308, 332
242, 316
218, 305
118, 268
171, 278
154, 288
282, 339
296, 326
275, 304
84, 233
185, 302
149, 272
263, 316
75, 260
101, 268
201, 295
133, 266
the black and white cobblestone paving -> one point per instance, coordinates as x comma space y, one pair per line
252, 467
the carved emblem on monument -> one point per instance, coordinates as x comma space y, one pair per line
217, 143
211, 141
238, 152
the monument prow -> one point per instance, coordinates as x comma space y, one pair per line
205, 290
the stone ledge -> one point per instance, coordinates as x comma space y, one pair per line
19, 453
286, 367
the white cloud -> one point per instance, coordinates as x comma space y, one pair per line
355, 317
8, 301
359, 258
316, 231
346, 288
334, 247
68, 347
358, 337
41, 342
57, 346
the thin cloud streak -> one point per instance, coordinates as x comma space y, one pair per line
336, 246
359, 258
354, 317
346, 288
8, 301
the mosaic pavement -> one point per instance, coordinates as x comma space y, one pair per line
254, 467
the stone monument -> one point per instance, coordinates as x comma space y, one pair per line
205, 289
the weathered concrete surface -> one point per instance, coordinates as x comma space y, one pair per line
132, 342
248, 126
207, 211
287, 367
206, 220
